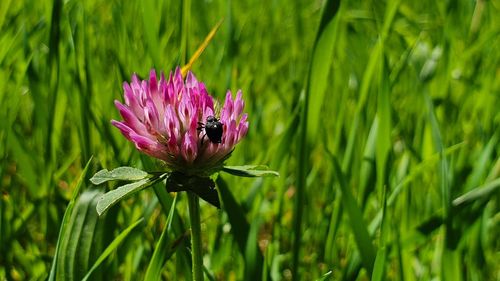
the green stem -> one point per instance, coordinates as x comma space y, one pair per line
196, 253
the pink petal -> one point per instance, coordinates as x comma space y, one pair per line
191, 81
177, 80
185, 111
242, 127
238, 106
163, 88
124, 129
189, 148
144, 92
230, 134
228, 107
207, 112
131, 119
152, 117
170, 119
131, 101
137, 91
149, 146
153, 84
155, 92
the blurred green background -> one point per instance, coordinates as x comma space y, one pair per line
382, 118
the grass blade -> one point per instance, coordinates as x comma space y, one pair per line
253, 257
151, 24
65, 221
320, 67
325, 276
200, 49
240, 227
164, 248
483, 192
360, 232
329, 11
379, 267
114, 245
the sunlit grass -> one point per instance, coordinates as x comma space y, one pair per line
395, 154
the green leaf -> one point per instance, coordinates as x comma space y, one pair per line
80, 238
65, 221
161, 193
116, 242
120, 173
114, 196
250, 171
325, 276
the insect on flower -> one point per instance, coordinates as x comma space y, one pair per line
213, 129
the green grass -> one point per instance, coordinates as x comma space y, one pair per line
382, 119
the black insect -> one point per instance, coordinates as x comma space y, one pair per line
213, 129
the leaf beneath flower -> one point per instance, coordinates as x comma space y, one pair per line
112, 197
250, 171
208, 193
201, 186
120, 173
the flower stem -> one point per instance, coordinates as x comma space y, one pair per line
196, 253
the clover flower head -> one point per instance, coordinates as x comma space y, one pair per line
166, 119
